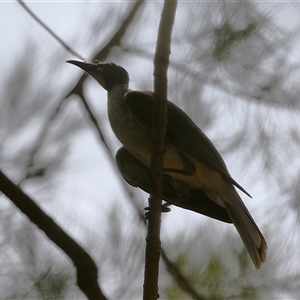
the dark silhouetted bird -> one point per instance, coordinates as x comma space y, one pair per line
196, 177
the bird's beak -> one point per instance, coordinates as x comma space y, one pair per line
92, 68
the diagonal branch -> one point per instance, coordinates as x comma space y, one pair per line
161, 64
37, 19
87, 277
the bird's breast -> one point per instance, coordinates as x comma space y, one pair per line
135, 137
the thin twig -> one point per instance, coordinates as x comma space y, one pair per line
161, 64
87, 278
48, 29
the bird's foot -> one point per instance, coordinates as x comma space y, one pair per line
183, 193
164, 209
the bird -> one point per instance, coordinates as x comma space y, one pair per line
193, 168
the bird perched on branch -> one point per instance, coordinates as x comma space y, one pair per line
196, 177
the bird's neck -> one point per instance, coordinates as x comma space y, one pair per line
118, 89
135, 137
116, 103
117, 109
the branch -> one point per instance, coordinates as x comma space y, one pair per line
48, 29
161, 63
87, 278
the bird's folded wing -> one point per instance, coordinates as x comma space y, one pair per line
138, 175
181, 132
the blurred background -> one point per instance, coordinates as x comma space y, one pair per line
234, 69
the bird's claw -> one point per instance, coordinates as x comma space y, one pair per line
164, 209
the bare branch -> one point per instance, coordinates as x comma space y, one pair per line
48, 29
161, 64
87, 277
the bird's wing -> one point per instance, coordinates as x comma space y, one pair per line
138, 175
181, 132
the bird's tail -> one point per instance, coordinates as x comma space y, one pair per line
253, 239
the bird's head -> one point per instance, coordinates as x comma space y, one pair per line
107, 74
